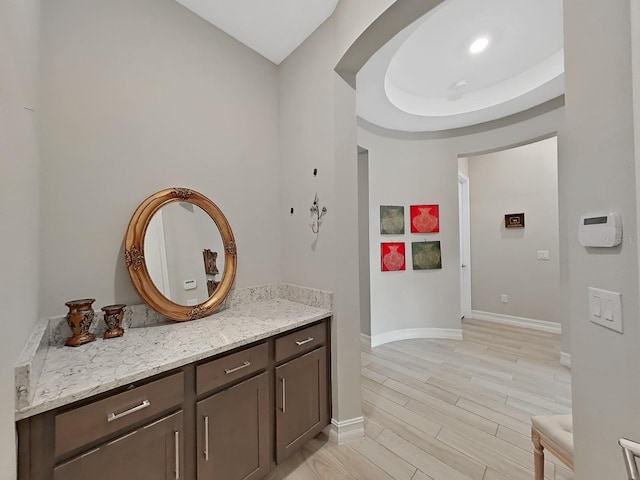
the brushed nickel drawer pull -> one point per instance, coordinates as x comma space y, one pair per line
302, 342
115, 416
233, 370
284, 396
176, 437
206, 439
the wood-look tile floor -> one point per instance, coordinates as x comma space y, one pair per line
448, 410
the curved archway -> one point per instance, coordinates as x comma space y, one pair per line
537, 122
391, 22
395, 19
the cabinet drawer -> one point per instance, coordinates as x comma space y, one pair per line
301, 341
152, 452
222, 371
83, 425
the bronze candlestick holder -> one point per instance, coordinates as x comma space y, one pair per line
113, 315
79, 318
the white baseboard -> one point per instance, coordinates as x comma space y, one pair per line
413, 333
541, 325
347, 430
365, 337
565, 359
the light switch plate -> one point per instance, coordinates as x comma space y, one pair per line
190, 284
605, 308
543, 255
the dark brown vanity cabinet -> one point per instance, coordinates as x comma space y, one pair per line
152, 452
137, 432
233, 432
230, 417
302, 396
233, 425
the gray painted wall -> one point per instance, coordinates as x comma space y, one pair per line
318, 130
413, 173
463, 166
503, 261
597, 149
164, 99
405, 172
19, 206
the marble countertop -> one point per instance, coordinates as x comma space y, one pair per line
71, 374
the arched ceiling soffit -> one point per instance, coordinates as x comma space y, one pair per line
425, 78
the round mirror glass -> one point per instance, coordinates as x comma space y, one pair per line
183, 253
180, 254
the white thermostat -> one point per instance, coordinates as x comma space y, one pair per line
600, 230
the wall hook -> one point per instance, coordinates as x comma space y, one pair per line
318, 213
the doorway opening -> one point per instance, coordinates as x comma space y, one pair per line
513, 270
363, 239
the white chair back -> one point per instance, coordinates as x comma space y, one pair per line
630, 451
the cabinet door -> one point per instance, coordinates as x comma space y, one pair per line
152, 452
233, 432
301, 401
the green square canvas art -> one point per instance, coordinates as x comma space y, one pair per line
426, 255
391, 220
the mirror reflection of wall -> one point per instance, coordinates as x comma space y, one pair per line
209, 238
173, 245
155, 254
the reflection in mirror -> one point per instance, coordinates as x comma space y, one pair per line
169, 247
177, 237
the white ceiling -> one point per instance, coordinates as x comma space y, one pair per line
273, 28
410, 83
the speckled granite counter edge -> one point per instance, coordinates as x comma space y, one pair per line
30, 364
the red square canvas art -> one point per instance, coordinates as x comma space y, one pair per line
393, 256
425, 219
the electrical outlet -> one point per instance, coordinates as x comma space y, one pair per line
504, 298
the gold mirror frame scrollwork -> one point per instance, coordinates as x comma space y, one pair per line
134, 255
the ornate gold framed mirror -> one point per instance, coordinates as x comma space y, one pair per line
180, 254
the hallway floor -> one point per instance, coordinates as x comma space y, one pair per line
448, 410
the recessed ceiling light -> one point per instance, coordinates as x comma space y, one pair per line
479, 45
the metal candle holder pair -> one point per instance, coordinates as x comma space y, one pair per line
81, 315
